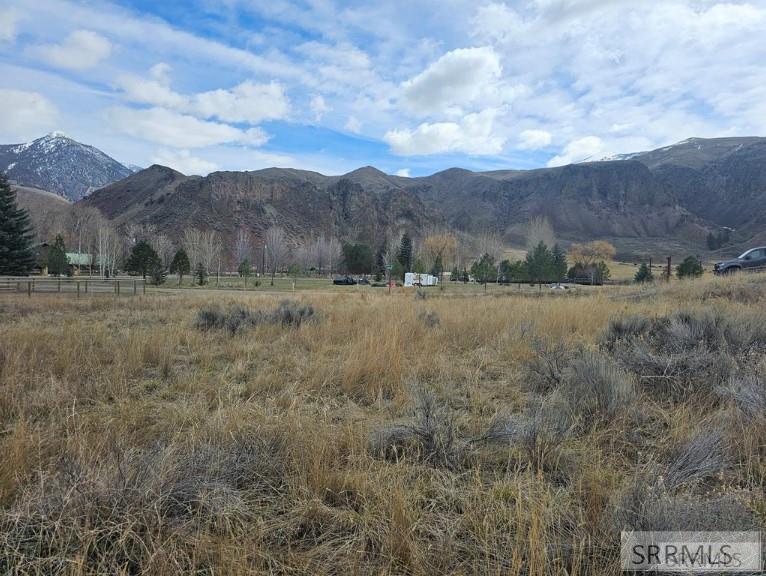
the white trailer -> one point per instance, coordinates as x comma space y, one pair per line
415, 279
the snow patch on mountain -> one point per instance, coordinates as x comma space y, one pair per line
62, 165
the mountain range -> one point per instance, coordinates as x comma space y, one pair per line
655, 202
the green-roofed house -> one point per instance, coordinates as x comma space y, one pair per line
79, 261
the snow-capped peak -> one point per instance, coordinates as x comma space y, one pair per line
56, 134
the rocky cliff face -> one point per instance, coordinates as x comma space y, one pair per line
673, 195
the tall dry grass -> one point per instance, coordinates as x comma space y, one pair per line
389, 435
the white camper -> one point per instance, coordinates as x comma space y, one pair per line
415, 279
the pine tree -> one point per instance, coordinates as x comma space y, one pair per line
691, 267
559, 264
540, 263
58, 263
201, 274
644, 274
405, 253
180, 264
244, 268
484, 269
143, 259
16, 255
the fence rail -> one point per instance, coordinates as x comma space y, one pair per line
75, 286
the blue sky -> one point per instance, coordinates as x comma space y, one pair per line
409, 87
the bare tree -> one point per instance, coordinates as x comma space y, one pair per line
209, 249
192, 243
276, 248
108, 248
305, 256
164, 247
489, 243
540, 230
243, 246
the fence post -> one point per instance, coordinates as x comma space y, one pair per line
59, 285
86, 286
135, 287
144, 285
668, 271
29, 289
78, 288
118, 287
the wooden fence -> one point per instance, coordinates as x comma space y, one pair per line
74, 286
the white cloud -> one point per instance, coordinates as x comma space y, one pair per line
170, 128
580, 150
534, 139
472, 135
9, 19
25, 115
404, 172
184, 162
82, 49
155, 90
458, 78
353, 125
318, 107
247, 102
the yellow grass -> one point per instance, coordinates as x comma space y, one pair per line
85, 380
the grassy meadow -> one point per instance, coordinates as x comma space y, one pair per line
433, 432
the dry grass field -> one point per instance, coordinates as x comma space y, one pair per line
512, 433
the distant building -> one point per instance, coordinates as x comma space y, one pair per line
79, 261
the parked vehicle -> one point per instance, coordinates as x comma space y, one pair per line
344, 281
751, 260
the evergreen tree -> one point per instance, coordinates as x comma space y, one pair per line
143, 259
405, 253
559, 263
644, 274
601, 273
358, 258
454, 275
418, 267
466, 277
201, 274
691, 267
540, 264
58, 263
16, 255
484, 269
180, 264
512, 271
712, 242
244, 268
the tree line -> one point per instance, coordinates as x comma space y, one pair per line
146, 251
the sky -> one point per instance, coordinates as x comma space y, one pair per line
411, 87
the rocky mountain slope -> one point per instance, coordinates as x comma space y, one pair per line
670, 197
59, 164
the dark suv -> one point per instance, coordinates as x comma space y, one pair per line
752, 260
